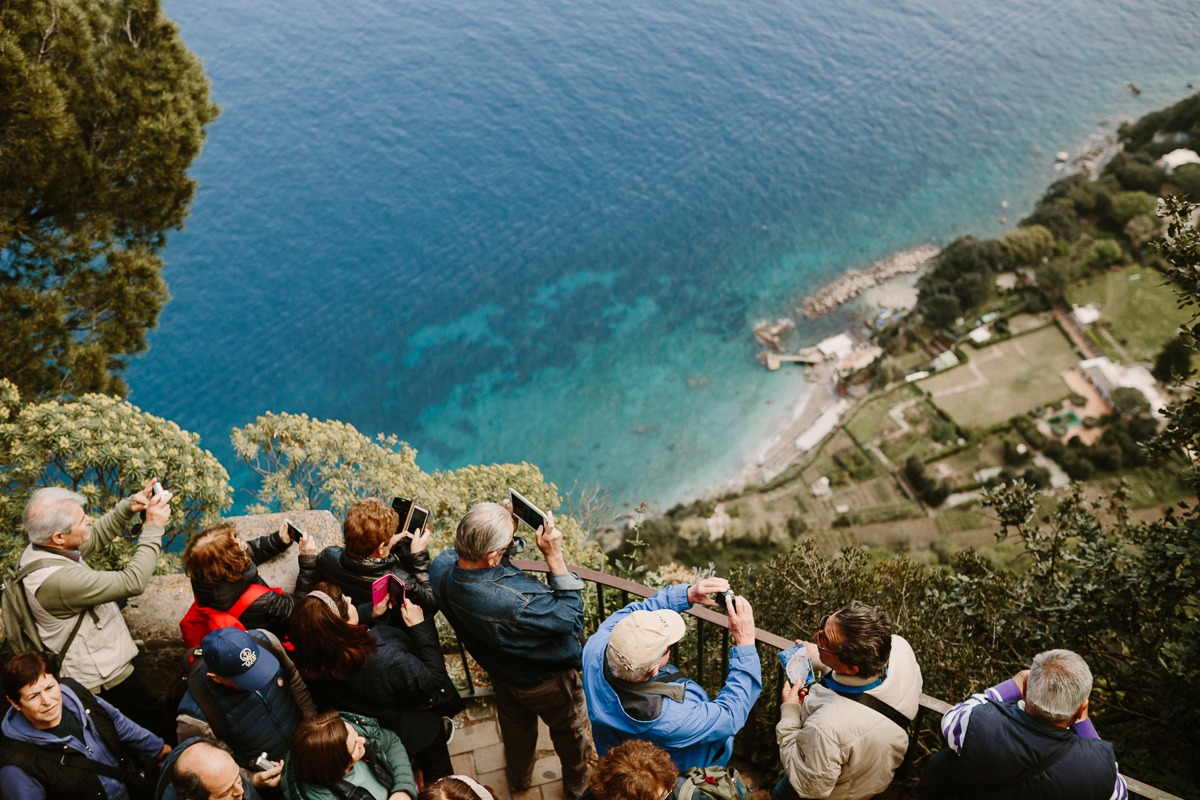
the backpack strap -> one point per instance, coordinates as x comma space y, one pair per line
204, 698
67, 758
252, 593
1044, 764
44, 563
873, 703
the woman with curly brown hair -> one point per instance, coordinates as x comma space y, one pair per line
223, 567
393, 673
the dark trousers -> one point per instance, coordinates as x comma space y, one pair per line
134, 700
560, 703
784, 791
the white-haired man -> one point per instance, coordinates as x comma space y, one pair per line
76, 607
525, 633
1043, 746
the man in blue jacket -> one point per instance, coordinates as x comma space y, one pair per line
60, 741
250, 682
633, 693
1041, 746
525, 633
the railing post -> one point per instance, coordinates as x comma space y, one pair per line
462, 651
600, 601
725, 649
700, 651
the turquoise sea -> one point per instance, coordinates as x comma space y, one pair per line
531, 230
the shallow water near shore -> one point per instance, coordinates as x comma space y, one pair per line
519, 230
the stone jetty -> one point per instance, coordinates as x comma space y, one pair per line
855, 281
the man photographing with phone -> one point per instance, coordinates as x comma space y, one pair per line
525, 633
633, 693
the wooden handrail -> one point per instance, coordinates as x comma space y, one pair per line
933, 704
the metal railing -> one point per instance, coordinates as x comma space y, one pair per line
626, 588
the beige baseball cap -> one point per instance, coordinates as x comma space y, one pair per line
641, 638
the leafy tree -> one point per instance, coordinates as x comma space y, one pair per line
1107, 253
1140, 229
1186, 178
967, 255
308, 463
942, 309
1128, 205
102, 110
1137, 172
1013, 455
1037, 477
973, 289
1054, 278
1175, 359
1057, 216
105, 449
1129, 401
1027, 245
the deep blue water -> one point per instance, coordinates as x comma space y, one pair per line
512, 229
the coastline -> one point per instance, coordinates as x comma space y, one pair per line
854, 281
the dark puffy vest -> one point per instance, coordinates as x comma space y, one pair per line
67, 781
256, 722
1003, 741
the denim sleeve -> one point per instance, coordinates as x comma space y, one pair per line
133, 735
557, 614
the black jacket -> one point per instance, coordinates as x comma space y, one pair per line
355, 575
272, 610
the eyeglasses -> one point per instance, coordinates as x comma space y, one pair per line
516, 547
822, 641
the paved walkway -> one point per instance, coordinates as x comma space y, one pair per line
478, 751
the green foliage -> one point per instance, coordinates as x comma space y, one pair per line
1056, 277
1186, 178
1137, 172
960, 279
102, 111
1107, 253
1128, 205
1183, 117
105, 449
309, 463
1057, 216
1174, 362
1140, 229
1029, 431
1027, 245
1012, 455
1129, 400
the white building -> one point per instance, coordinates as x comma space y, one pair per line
1177, 158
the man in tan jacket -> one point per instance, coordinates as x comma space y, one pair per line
76, 608
845, 736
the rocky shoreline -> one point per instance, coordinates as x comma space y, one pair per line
855, 281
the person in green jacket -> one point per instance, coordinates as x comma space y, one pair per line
76, 607
346, 757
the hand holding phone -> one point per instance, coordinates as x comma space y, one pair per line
526, 511
388, 585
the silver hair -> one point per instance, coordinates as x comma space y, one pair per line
1059, 681
49, 511
618, 670
486, 528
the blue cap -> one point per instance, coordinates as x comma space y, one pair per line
233, 654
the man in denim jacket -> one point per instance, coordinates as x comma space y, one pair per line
525, 633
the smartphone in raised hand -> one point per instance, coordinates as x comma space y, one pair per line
156, 489
418, 519
294, 533
404, 509
526, 511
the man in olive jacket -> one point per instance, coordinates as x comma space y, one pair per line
76, 608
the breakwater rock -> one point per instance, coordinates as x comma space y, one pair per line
855, 281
